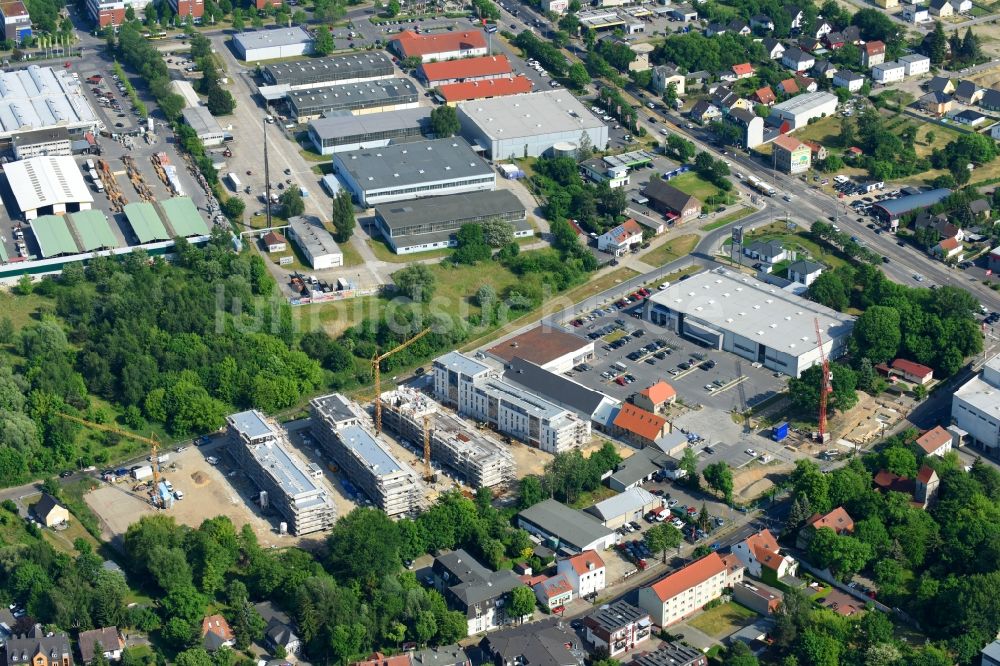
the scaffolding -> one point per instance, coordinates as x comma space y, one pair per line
483, 461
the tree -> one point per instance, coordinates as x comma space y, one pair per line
24, 285
689, 464
233, 208
670, 95
291, 202
220, 101
739, 654
877, 334
497, 233
417, 282
720, 478
529, 492
843, 555
364, 546
444, 121
522, 602
238, 23
323, 43
392, 8
936, 44
578, 78
343, 217
662, 537
472, 246
805, 391
809, 482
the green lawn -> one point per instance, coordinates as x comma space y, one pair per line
825, 131
728, 219
22, 310
795, 240
693, 184
723, 620
671, 250
384, 253
592, 497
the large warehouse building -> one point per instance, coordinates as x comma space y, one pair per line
975, 409
40, 98
271, 44
357, 98
482, 68
413, 170
43, 185
336, 134
315, 242
429, 224
280, 78
799, 110
438, 46
205, 125
454, 93
890, 210
73, 233
283, 479
343, 429
529, 125
760, 322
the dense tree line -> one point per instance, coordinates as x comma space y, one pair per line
886, 155
568, 475
596, 208
546, 53
694, 51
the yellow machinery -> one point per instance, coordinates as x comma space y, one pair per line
377, 371
154, 445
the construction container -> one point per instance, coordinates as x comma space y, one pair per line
143, 472
779, 432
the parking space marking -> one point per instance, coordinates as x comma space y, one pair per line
739, 380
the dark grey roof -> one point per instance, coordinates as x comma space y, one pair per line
805, 267
896, 207
743, 116
700, 107
991, 99
411, 163
938, 84
770, 42
979, 206
464, 567
668, 195
449, 208
935, 97
640, 465
669, 654
333, 68
796, 54
556, 388
41, 136
969, 114
45, 505
21, 649
616, 616
446, 655
766, 249
965, 89
336, 126
852, 33
279, 633
535, 644
576, 528
107, 637
354, 95
938, 4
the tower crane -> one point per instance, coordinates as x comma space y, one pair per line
825, 387
377, 371
427, 447
154, 446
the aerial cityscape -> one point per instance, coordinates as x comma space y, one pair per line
500, 333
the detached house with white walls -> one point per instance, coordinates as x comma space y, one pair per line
586, 572
763, 559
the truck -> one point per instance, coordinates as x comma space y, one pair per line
93, 175
98, 185
761, 186
143, 472
90, 165
234, 181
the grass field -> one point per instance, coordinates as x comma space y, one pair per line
22, 309
457, 283
728, 219
592, 497
723, 620
671, 250
693, 184
383, 253
795, 240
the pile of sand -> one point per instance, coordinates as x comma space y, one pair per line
200, 479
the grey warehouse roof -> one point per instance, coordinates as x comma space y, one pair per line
806, 102
554, 387
201, 121
347, 94
447, 208
902, 205
574, 527
369, 449
461, 363
251, 424
529, 114
349, 66
334, 127
259, 39
411, 163
310, 232
38, 97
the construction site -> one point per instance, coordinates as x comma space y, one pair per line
481, 460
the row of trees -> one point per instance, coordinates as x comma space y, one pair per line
568, 475
596, 208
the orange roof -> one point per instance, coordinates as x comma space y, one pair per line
379, 659
926, 474
217, 625
948, 244
659, 392
789, 86
743, 69
789, 143
459, 92
412, 44
640, 422
586, 561
765, 95
693, 574
934, 439
813, 146
273, 238
765, 548
911, 368
837, 520
466, 68
874, 47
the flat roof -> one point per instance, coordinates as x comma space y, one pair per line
461, 363
488, 88
286, 470
345, 94
183, 217
576, 528
539, 345
557, 388
981, 394
251, 423
259, 39
334, 127
755, 310
310, 232
805, 102
529, 114
347, 66
411, 163
201, 121
523, 399
46, 135
374, 453
144, 221
38, 97
335, 406
93, 230
46, 181
53, 236
448, 208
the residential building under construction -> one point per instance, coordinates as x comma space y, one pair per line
482, 460
285, 482
345, 432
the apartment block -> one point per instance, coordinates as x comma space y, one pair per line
686, 590
345, 432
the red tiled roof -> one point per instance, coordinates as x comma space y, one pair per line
743, 69
886, 480
926, 474
693, 574
765, 95
838, 520
933, 439
640, 422
787, 142
217, 625
911, 368
813, 146
412, 44
872, 48
586, 561
466, 68
274, 238
948, 244
379, 659
765, 548
659, 392
789, 86
459, 92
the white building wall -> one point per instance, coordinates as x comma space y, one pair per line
889, 72
917, 66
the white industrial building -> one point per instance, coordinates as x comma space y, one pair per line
799, 110
41, 143
315, 242
888, 72
185, 90
476, 390
413, 170
481, 460
205, 125
757, 321
37, 98
344, 430
564, 529
340, 133
916, 64
274, 43
286, 482
975, 409
43, 185
530, 125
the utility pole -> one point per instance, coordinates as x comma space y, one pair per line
267, 179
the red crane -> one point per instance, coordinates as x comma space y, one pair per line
825, 387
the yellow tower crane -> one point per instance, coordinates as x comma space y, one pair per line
154, 445
377, 371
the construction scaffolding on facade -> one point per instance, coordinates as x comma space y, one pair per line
482, 460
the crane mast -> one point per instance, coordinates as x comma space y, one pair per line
377, 372
825, 386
